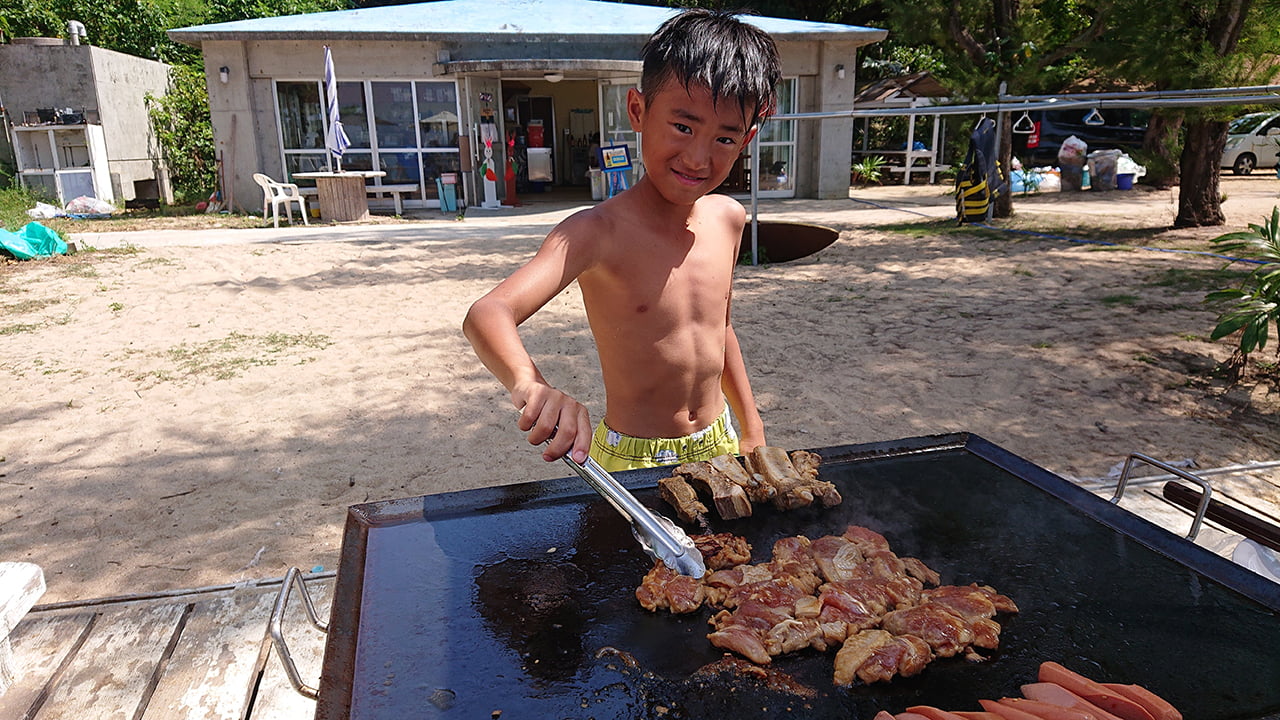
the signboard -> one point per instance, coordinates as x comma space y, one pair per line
614, 158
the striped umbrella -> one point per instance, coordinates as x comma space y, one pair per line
335, 137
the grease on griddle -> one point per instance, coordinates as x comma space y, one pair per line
718, 689
534, 606
733, 671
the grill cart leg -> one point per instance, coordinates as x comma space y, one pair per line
293, 577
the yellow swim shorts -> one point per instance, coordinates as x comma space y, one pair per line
616, 452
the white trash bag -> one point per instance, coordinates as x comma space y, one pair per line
90, 206
44, 211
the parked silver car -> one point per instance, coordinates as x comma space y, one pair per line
1253, 141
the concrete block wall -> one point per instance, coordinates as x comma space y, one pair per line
104, 83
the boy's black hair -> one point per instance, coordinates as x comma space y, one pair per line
714, 48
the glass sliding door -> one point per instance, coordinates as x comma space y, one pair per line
778, 146
438, 129
301, 125
615, 125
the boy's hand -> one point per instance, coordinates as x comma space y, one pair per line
750, 441
546, 412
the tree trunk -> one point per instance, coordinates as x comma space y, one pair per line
1162, 133
1199, 199
1003, 205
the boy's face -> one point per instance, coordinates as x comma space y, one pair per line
690, 142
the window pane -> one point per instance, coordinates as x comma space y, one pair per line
438, 114
775, 167
301, 121
400, 168
356, 161
353, 114
435, 163
781, 130
393, 115
617, 127
304, 162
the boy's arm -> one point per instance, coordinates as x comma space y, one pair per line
491, 325
737, 390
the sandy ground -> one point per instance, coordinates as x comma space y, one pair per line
201, 407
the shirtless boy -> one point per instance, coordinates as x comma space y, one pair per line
654, 264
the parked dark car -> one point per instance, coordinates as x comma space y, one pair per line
1037, 137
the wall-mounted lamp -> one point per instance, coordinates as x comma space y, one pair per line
553, 77
224, 74
840, 71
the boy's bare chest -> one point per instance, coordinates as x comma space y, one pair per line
662, 284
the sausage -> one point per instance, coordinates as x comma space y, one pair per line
977, 715
1047, 711
1094, 692
1005, 712
1159, 708
883, 715
1055, 694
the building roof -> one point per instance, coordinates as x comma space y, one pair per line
901, 90
500, 20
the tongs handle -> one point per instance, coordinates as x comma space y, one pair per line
660, 537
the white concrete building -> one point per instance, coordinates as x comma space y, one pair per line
421, 86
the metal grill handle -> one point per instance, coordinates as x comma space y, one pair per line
1204, 485
291, 578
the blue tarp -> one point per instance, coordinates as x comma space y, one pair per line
32, 241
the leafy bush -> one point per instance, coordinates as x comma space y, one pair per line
867, 171
1253, 307
181, 123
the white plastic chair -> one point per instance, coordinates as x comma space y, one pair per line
275, 194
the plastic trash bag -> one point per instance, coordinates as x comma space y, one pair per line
85, 205
32, 241
43, 211
1102, 169
1125, 165
1073, 152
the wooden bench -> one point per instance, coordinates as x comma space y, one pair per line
395, 191
21, 584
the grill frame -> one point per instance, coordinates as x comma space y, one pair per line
342, 695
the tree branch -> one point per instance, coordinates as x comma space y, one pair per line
972, 48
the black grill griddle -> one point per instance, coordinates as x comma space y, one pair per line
520, 601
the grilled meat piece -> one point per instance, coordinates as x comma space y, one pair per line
722, 550
877, 656
904, 655
665, 589
836, 557
756, 490
946, 633
680, 495
856, 650
730, 500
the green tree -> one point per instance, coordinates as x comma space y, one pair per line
1031, 48
180, 119
1195, 44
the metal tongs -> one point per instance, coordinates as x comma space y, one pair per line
661, 538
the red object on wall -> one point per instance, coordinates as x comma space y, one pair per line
536, 138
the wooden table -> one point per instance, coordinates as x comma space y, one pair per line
342, 194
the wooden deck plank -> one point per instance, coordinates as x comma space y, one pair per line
277, 700
211, 673
40, 644
113, 671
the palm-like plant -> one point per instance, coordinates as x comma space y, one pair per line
1253, 307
